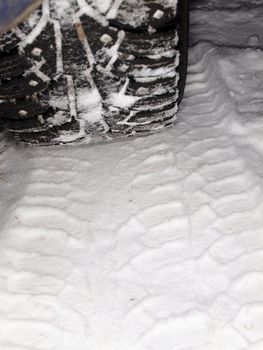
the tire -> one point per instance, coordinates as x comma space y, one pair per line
77, 72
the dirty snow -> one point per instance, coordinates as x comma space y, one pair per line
152, 243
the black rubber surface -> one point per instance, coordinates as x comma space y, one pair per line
78, 74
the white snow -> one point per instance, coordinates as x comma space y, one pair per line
122, 100
151, 243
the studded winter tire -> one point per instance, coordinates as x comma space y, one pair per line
87, 71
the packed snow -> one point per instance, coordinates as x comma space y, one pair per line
151, 243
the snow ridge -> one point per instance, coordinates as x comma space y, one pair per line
155, 243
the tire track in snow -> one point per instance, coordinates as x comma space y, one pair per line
127, 244
242, 21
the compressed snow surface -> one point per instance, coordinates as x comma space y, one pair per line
153, 243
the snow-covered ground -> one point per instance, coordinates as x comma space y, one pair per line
153, 243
